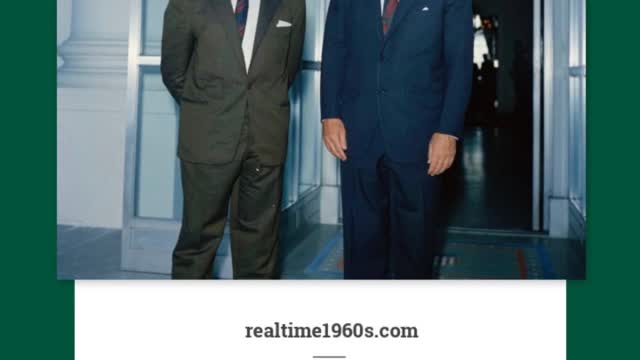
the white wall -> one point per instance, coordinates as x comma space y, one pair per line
578, 106
330, 206
63, 16
92, 42
564, 116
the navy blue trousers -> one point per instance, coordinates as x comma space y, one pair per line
389, 217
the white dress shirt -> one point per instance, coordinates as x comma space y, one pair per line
382, 5
250, 30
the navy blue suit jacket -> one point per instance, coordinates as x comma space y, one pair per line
412, 82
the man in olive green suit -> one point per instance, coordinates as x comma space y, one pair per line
229, 64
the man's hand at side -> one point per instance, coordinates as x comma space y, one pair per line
334, 136
442, 153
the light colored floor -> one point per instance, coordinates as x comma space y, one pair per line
89, 253
95, 254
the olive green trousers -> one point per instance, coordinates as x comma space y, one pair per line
254, 192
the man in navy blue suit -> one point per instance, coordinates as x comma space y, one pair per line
396, 79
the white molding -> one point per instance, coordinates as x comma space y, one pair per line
538, 59
93, 63
577, 222
566, 220
95, 53
330, 168
330, 205
63, 28
559, 217
556, 119
92, 42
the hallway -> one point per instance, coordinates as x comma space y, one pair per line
489, 186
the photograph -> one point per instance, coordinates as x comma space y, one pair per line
321, 140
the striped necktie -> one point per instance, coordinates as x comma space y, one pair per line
242, 10
387, 17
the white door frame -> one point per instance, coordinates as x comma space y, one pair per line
537, 181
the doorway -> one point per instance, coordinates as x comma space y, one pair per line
491, 186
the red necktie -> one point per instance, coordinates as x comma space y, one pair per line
242, 10
387, 16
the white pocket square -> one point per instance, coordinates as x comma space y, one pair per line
426, 8
282, 24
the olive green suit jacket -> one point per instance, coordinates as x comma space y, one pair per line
203, 68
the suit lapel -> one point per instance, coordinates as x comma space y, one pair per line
226, 14
404, 8
268, 9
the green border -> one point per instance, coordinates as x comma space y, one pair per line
37, 309
602, 312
